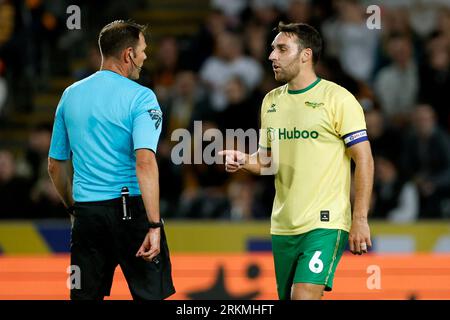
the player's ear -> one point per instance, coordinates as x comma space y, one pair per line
306, 55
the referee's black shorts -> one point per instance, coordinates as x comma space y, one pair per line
101, 240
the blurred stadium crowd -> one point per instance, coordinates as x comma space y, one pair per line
219, 74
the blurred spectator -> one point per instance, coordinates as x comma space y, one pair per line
426, 160
423, 17
396, 21
435, 77
330, 68
37, 151
444, 22
7, 13
93, 62
299, 11
227, 62
384, 139
43, 32
14, 191
202, 44
249, 198
15, 52
242, 110
256, 42
268, 83
241, 195
3, 89
281, 5
395, 198
348, 38
166, 63
397, 85
204, 193
186, 103
267, 12
45, 200
232, 9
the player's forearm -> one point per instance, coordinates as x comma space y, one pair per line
61, 176
260, 163
363, 186
148, 178
252, 163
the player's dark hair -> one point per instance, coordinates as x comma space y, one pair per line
119, 35
308, 37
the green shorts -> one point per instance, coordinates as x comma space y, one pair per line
310, 257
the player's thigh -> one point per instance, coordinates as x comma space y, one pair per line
321, 252
285, 254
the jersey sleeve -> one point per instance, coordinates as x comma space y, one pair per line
59, 145
147, 119
264, 133
349, 121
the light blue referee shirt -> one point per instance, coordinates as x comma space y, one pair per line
99, 123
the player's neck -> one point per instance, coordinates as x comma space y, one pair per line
302, 80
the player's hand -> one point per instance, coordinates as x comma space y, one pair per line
234, 160
359, 237
151, 246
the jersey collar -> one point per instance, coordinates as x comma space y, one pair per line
312, 85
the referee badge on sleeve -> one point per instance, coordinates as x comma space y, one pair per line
156, 115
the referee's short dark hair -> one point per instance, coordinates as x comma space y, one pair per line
307, 35
119, 35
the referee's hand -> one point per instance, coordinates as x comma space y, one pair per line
151, 246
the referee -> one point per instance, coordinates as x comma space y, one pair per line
107, 129
314, 129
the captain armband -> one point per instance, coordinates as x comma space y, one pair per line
355, 137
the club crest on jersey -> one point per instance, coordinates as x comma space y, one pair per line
270, 134
314, 104
272, 108
156, 115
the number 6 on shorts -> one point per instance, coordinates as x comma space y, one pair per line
315, 264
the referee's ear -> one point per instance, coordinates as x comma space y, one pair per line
127, 55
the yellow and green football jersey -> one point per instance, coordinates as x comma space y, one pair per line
308, 132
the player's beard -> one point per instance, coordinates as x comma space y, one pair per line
289, 72
286, 75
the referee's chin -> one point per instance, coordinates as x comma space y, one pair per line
134, 76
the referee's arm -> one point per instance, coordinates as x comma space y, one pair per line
148, 179
61, 174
